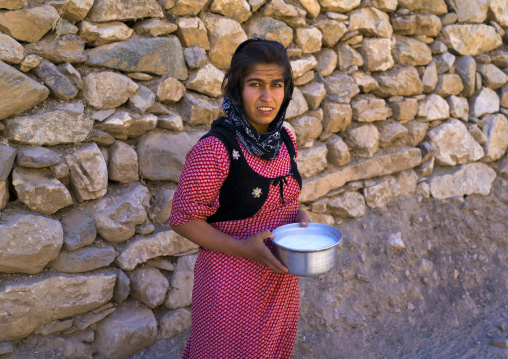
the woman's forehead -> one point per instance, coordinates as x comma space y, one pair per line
266, 72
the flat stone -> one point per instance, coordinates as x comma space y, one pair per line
122, 287
148, 285
341, 85
54, 327
338, 6
14, 4
492, 76
195, 57
101, 138
471, 39
84, 259
73, 10
207, 80
105, 90
142, 248
270, 29
50, 298
390, 132
61, 87
28, 25
368, 108
4, 194
124, 125
11, 51
84, 321
172, 122
101, 34
192, 32
495, 130
173, 323
417, 24
88, 171
79, 230
38, 157
154, 27
123, 163
436, 7
27, 244
400, 81
464, 180
68, 48
160, 56
184, 7
51, 127
303, 65
121, 10
371, 22
20, 92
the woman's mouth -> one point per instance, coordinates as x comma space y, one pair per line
265, 109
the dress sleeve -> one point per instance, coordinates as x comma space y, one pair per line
205, 170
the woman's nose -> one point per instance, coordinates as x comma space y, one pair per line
266, 93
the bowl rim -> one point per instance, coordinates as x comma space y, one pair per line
335, 233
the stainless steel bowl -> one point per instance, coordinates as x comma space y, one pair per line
312, 260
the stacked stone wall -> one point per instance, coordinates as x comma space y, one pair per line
100, 100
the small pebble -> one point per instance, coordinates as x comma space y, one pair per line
500, 343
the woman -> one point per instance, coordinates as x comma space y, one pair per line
239, 182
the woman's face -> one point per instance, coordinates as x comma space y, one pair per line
262, 95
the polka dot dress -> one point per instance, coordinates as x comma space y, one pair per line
240, 309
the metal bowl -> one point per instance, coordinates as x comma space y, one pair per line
307, 251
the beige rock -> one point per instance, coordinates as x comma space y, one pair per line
271, 29
78, 229
350, 204
238, 10
471, 178
499, 9
125, 332
367, 108
312, 161
347, 57
84, 259
496, 132
400, 81
224, 35
381, 192
149, 286
436, 7
11, 51
283, 11
422, 24
50, 298
154, 27
314, 93
384, 5
172, 122
20, 92
337, 116
416, 132
307, 128
371, 22
492, 76
309, 40
192, 32
142, 248
362, 139
29, 25
107, 89
404, 110
123, 163
365, 82
503, 95
123, 125
445, 63
484, 102
72, 10
470, 12
89, 174
168, 90
68, 48
184, 7
471, 39
429, 78
331, 31
4, 194
30, 62
173, 323
303, 65
121, 10
72, 74
477, 134
377, 54
434, 108
298, 105
459, 107
408, 51
390, 132
14, 4
448, 84
338, 152
199, 109
104, 33
27, 244
161, 209
338, 5
383, 164
341, 86
207, 80
182, 281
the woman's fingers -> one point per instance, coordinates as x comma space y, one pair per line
257, 251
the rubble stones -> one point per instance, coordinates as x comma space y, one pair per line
338, 152
199, 109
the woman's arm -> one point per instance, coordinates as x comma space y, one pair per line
252, 248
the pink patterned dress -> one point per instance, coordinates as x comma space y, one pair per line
240, 309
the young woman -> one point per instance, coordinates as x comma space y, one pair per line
239, 182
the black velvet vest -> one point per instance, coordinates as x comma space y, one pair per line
244, 191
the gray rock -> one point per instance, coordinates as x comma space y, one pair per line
20, 92
141, 100
404, 110
348, 57
416, 132
173, 323
338, 152
50, 298
61, 87
68, 48
312, 161
314, 93
168, 90
173, 122
88, 171
327, 62
73, 10
123, 163
269, 28
27, 244
148, 285
125, 332
484, 102
298, 105
495, 130
503, 95
401, 81
142, 248
105, 10
84, 321
11, 51
290, 14
465, 66
84, 259
492, 76
161, 208
7, 157
350, 204
123, 125
160, 56
340, 85
182, 281
331, 31
54, 327
79, 230
122, 287
38, 157
367, 108
39, 190
366, 83
195, 57
28, 25
445, 63
101, 138
336, 116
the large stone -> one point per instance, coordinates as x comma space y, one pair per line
454, 144
11, 51
168, 90
106, 10
400, 81
336, 116
182, 281
471, 39
495, 130
347, 56
162, 155
298, 105
341, 85
271, 29
350, 204
72, 10
436, 7
312, 161
13, 4
27, 243
471, 11
79, 230
307, 128
465, 66
283, 11
39, 190
101, 34
89, 173
207, 80
65, 123
61, 87
19, 92
448, 84
84, 259
485, 102
371, 22
464, 180
199, 110
7, 157
149, 286
362, 139
34, 302
399, 159
117, 214
107, 89
29, 25
303, 65
492, 76
409, 51
390, 132
154, 27
68, 48
224, 35
377, 54
314, 93
331, 30
173, 323
309, 40
367, 108
499, 9
421, 24
434, 108
160, 56
340, 6
238, 10
123, 125
184, 7
123, 163
142, 248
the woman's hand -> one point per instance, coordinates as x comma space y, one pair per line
254, 248
302, 218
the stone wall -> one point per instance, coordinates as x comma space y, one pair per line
100, 101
